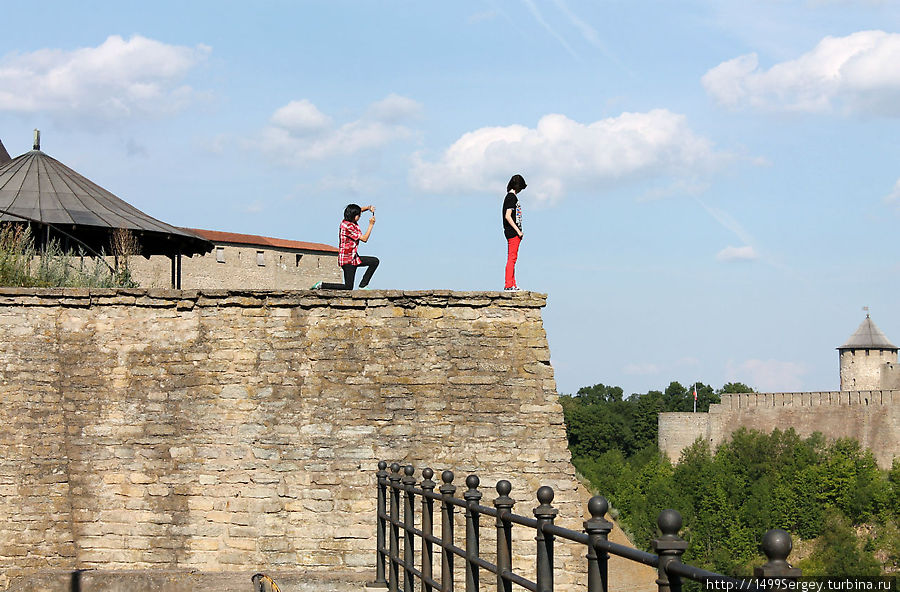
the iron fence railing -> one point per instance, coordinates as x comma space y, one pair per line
390, 563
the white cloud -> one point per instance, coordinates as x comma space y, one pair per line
117, 80
853, 74
394, 109
560, 153
300, 118
768, 375
300, 132
894, 196
745, 253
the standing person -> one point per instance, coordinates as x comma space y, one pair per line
512, 229
349, 235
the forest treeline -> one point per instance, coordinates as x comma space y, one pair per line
830, 494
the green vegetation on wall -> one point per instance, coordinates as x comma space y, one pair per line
22, 266
832, 492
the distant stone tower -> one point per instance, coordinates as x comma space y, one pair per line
868, 360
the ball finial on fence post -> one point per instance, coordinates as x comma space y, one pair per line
545, 514
598, 529
670, 547
776, 544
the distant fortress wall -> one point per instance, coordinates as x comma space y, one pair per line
872, 417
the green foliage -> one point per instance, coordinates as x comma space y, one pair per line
730, 497
21, 265
838, 552
599, 418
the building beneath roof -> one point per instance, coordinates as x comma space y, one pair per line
246, 261
868, 360
58, 204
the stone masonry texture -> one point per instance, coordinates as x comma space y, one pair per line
871, 417
229, 431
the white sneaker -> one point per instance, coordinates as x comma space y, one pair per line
513, 289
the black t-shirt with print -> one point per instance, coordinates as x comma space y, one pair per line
511, 202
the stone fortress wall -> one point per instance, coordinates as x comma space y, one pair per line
236, 431
872, 417
234, 267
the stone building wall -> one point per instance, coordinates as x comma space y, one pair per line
862, 369
872, 417
225, 431
237, 267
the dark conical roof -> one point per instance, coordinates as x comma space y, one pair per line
43, 190
868, 336
4, 155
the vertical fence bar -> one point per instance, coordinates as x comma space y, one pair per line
597, 529
409, 522
545, 513
394, 551
428, 528
669, 546
381, 522
472, 497
504, 503
447, 491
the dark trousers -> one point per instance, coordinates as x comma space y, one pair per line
370, 263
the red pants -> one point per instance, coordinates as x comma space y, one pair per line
512, 254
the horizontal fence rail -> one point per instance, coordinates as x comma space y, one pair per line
397, 491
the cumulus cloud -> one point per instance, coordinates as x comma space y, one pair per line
560, 153
745, 253
853, 74
117, 80
300, 132
768, 375
300, 118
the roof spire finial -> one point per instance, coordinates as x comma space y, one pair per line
866, 308
37, 139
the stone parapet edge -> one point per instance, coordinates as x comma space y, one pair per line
188, 299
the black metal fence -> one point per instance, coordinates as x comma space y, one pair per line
669, 546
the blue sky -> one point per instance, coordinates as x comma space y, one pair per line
714, 185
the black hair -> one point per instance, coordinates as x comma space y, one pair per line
351, 212
516, 183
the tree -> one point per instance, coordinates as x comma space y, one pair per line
735, 387
600, 393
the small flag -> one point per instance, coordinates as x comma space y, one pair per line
695, 392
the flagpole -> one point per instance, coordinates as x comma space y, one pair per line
695, 397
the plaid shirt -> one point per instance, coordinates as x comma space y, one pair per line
348, 237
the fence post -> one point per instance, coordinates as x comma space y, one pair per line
409, 523
381, 521
545, 513
669, 546
447, 491
472, 497
598, 529
504, 504
777, 545
394, 551
427, 528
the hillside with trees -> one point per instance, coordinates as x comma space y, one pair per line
831, 496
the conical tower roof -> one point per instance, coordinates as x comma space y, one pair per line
42, 190
4, 155
868, 336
